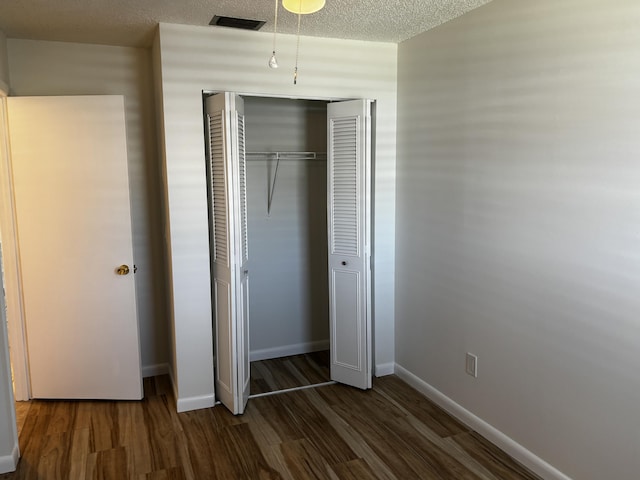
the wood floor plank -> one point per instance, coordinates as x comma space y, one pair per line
419, 406
107, 465
176, 473
32, 440
382, 442
305, 462
54, 459
79, 453
333, 432
320, 358
104, 426
131, 429
267, 440
279, 418
355, 439
289, 372
83, 415
302, 380
149, 387
164, 446
28, 433
342, 395
492, 458
317, 430
63, 417
22, 410
202, 436
451, 448
310, 367
432, 457
394, 440
249, 461
258, 382
277, 376
354, 470
162, 386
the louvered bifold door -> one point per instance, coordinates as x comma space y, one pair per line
349, 229
229, 253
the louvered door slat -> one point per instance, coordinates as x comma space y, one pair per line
243, 189
344, 184
218, 188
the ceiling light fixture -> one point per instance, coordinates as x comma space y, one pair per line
299, 7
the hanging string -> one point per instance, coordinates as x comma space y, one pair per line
273, 61
295, 72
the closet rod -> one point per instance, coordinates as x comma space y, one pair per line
286, 155
281, 156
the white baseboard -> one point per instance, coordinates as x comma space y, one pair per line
495, 436
287, 350
384, 369
154, 370
8, 463
195, 403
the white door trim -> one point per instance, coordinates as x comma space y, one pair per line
368, 211
10, 257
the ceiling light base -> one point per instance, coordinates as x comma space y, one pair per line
303, 7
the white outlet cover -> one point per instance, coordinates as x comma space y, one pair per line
472, 365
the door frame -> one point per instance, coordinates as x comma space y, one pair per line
371, 204
11, 262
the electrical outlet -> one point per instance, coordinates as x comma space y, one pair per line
472, 365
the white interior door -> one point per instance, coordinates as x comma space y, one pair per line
349, 194
71, 188
230, 256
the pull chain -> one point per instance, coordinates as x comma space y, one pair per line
273, 61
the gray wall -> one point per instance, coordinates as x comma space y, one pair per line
4, 62
288, 247
193, 59
55, 68
518, 206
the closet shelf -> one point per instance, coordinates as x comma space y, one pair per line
277, 156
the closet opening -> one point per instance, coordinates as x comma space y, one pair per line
286, 156
289, 195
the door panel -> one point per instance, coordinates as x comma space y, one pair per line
230, 259
347, 334
69, 162
224, 369
349, 180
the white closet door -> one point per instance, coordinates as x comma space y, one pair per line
230, 256
349, 193
71, 187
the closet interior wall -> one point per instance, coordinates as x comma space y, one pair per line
288, 292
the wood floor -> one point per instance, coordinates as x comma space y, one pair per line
330, 432
289, 372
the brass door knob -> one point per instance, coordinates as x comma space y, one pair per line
122, 270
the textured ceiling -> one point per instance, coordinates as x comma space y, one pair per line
132, 22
